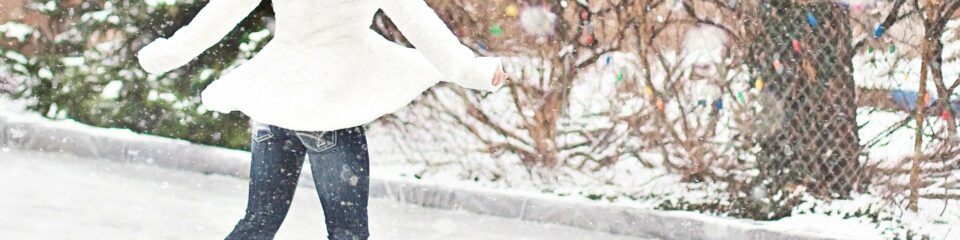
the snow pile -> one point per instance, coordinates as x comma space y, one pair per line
827, 226
889, 138
16, 30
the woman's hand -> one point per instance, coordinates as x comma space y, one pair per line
156, 57
500, 76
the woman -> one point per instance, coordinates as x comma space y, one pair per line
310, 90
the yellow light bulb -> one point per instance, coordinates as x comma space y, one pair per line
512, 10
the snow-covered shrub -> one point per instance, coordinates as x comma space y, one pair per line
532, 121
78, 61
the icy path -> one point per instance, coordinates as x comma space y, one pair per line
55, 196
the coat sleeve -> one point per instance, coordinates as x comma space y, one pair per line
421, 25
211, 24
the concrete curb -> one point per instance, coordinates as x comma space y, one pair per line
123, 146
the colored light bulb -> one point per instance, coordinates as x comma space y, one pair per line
512, 10
718, 104
878, 32
811, 20
496, 30
588, 40
660, 105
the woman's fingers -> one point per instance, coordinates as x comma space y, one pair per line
499, 76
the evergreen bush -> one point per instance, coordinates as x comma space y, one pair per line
79, 62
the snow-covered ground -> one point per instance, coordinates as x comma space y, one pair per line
57, 196
107, 197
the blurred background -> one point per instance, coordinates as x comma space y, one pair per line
743, 108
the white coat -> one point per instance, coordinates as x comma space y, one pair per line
325, 69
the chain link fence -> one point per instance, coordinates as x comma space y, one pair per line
804, 55
757, 104
771, 123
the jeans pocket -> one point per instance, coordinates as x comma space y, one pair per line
262, 134
318, 141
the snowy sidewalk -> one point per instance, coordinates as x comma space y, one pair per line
59, 196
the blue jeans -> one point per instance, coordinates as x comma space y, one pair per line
341, 173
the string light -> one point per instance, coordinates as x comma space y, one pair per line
778, 66
660, 105
496, 30
481, 46
811, 20
512, 10
588, 40
878, 32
